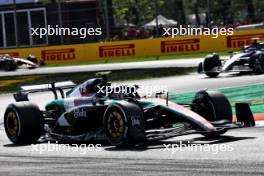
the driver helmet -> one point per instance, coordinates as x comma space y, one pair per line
31, 57
88, 88
215, 56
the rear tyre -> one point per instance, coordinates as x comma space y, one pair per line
42, 62
9, 65
123, 124
23, 123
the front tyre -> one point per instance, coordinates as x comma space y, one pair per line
210, 63
212, 105
123, 124
23, 123
212, 74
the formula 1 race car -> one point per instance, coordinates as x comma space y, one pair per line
87, 113
249, 59
9, 63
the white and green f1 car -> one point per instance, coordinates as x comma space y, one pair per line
84, 114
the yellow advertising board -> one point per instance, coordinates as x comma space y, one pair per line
139, 48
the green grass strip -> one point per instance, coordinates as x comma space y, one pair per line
252, 94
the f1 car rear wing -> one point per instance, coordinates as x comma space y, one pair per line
22, 93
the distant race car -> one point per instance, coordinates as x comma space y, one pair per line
123, 118
9, 63
249, 59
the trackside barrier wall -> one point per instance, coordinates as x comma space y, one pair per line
138, 48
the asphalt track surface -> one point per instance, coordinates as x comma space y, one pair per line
107, 66
246, 158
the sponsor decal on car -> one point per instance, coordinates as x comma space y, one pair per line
178, 46
117, 50
58, 54
77, 113
238, 41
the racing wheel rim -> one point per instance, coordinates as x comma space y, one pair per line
115, 125
12, 124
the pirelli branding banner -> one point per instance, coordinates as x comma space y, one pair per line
179, 46
117, 50
58, 55
237, 41
139, 48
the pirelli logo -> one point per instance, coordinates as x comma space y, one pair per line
12, 54
117, 50
238, 41
178, 46
58, 54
